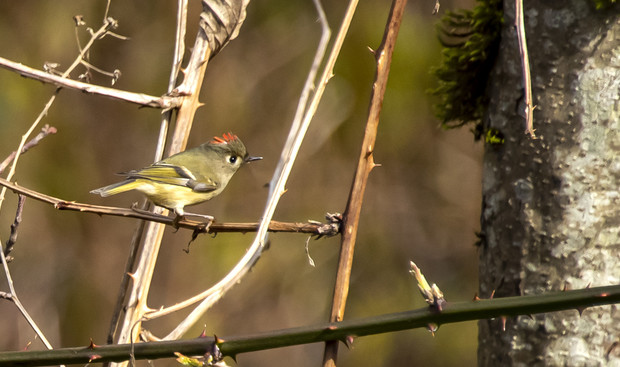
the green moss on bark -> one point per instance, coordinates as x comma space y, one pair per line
471, 40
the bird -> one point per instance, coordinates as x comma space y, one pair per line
186, 178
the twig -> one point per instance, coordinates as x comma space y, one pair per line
329, 228
366, 163
12, 296
164, 102
21, 199
45, 131
22, 142
108, 24
525, 65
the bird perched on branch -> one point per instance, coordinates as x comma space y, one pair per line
186, 178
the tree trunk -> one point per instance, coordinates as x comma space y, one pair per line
551, 206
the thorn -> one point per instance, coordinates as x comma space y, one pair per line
492, 294
503, 318
580, 310
218, 340
93, 357
588, 286
79, 20
348, 341
377, 165
432, 328
436, 8
92, 344
565, 287
476, 298
204, 333
371, 50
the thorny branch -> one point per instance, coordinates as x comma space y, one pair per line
383, 56
329, 228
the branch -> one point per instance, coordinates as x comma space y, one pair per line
15, 226
45, 131
232, 346
365, 164
164, 102
12, 295
108, 24
314, 228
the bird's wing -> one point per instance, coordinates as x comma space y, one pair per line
172, 175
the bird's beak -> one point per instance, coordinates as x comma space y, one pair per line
249, 159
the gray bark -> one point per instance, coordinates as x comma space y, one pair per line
551, 206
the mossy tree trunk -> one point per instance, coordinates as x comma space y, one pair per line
551, 205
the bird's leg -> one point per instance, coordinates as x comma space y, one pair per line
175, 221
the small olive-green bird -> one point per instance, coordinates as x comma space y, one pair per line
186, 178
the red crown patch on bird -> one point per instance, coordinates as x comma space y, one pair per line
225, 139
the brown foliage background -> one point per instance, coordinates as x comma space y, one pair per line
422, 204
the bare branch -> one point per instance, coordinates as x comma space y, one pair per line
18, 219
366, 163
164, 102
108, 24
12, 296
45, 131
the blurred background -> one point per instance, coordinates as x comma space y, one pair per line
422, 204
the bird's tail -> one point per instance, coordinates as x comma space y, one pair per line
116, 188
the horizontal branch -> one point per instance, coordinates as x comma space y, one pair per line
231, 346
164, 102
315, 228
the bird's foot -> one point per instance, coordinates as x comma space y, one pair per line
209, 220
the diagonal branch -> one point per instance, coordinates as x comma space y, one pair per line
366, 163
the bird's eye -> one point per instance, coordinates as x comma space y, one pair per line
232, 159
